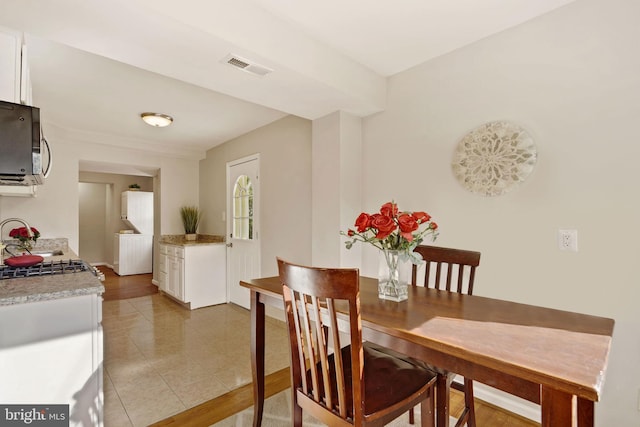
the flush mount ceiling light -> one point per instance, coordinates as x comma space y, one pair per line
157, 119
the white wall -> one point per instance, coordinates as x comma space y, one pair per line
55, 209
285, 183
572, 79
336, 190
92, 218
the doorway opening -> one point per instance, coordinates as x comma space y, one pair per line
100, 186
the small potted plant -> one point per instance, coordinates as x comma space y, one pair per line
134, 187
190, 220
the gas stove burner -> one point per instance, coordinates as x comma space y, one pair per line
46, 268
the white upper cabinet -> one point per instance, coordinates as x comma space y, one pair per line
15, 86
15, 83
137, 210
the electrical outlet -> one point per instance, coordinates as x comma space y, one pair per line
568, 240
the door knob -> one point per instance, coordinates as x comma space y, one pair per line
229, 245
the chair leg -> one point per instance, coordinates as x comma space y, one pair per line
469, 402
296, 410
427, 411
468, 415
411, 417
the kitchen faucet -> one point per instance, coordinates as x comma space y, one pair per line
22, 221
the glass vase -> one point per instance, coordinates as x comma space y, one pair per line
393, 276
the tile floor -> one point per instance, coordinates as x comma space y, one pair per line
161, 359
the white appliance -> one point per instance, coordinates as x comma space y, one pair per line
133, 251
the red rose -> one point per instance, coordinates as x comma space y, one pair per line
407, 224
384, 224
363, 222
421, 217
351, 233
389, 209
433, 226
21, 233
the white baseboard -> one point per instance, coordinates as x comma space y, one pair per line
101, 264
506, 401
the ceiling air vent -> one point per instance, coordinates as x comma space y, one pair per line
246, 65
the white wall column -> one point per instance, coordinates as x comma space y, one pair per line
336, 187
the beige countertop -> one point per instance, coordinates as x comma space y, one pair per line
180, 240
41, 288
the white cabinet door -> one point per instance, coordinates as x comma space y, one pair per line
133, 254
15, 81
205, 274
137, 209
175, 278
51, 352
10, 65
26, 94
162, 268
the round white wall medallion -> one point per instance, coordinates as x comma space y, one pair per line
494, 158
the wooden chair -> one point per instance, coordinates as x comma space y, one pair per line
335, 377
452, 270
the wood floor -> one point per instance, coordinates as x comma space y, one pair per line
237, 400
124, 287
212, 411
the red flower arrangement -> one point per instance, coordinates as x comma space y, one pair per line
21, 234
392, 229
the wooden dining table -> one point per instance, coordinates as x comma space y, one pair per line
554, 358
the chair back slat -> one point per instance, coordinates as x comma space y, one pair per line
323, 349
335, 343
298, 362
313, 350
446, 266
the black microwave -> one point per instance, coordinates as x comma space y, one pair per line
20, 145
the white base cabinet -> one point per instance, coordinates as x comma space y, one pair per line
133, 254
194, 274
51, 353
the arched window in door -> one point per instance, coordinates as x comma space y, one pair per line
243, 208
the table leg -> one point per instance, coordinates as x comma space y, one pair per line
443, 388
560, 409
257, 356
586, 413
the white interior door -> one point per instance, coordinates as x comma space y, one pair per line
243, 209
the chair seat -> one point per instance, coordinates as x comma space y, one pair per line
388, 378
411, 360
